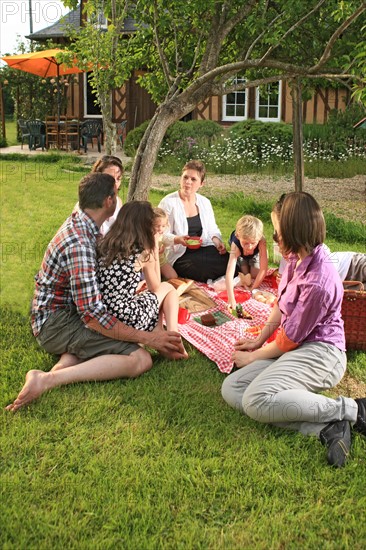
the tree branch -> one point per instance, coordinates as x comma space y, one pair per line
291, 29
163, 58
256, 40
220, 32
337, 33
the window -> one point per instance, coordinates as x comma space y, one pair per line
101, 20
90, 109
268, 102
97, 17
234, 105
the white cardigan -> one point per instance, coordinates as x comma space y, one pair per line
173, 206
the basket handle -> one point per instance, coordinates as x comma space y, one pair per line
352, 285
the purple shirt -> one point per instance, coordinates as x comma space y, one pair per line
310, 300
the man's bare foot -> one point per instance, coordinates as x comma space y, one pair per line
177, 355
35, 385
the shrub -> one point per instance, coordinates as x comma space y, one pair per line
197, 130
341, 123
262, 132
185, 137
134, 137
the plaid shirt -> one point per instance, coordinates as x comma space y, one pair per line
68, 275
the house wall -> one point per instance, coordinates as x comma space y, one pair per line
315, 110
133, 103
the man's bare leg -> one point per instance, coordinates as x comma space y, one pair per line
104, 367
66, 360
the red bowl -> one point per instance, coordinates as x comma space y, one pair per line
193, 243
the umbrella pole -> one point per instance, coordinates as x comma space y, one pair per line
58, 95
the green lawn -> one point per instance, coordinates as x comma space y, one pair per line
11, 131
157, 462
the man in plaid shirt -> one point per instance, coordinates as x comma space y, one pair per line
68, 316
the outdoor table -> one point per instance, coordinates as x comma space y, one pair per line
63, 133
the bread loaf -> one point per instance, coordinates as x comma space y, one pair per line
181, 285
245, 280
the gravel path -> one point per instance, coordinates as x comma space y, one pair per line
345, 198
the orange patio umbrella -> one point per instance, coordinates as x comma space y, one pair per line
44, 64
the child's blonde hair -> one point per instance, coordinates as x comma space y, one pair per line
249, 227
160, 213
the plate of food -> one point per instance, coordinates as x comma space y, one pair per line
193, 243
264, 296
240, 313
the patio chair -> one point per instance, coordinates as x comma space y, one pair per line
90, 129
23, 131
37, 134
121, 132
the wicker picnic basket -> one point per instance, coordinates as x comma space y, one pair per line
354, 315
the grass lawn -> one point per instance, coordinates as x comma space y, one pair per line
157, 462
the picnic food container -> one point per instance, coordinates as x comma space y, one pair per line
354, 315
264, 296
193, 243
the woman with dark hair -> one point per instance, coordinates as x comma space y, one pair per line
129, 248
279, 383
351, 266
109, 164
191, 215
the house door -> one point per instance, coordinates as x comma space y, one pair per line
139, 105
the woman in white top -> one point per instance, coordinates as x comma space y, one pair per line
191, 214
109, 164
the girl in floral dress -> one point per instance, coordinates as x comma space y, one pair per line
129, 248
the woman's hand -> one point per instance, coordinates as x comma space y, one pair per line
242, 358
246, 344
219, 245
181, 239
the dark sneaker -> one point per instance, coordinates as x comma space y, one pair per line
337, 438
360, 424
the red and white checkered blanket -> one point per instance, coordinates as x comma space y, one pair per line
217, 342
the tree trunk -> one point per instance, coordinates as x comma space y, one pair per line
297, 134
110, 134
148, 149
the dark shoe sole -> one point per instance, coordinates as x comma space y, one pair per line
337, 454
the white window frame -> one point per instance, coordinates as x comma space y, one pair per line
279, 105
86, 115
235, 118
98, 19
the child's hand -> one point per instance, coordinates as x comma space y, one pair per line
231, 306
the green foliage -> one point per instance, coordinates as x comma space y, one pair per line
185, 137
263, 147
198, 130
341, 230
346, 168
34, 97
259, 132
341, 123
133, 139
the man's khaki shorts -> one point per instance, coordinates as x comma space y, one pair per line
65, 332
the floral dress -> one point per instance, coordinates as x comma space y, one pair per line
118, 283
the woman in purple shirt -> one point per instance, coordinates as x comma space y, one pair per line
280, 381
